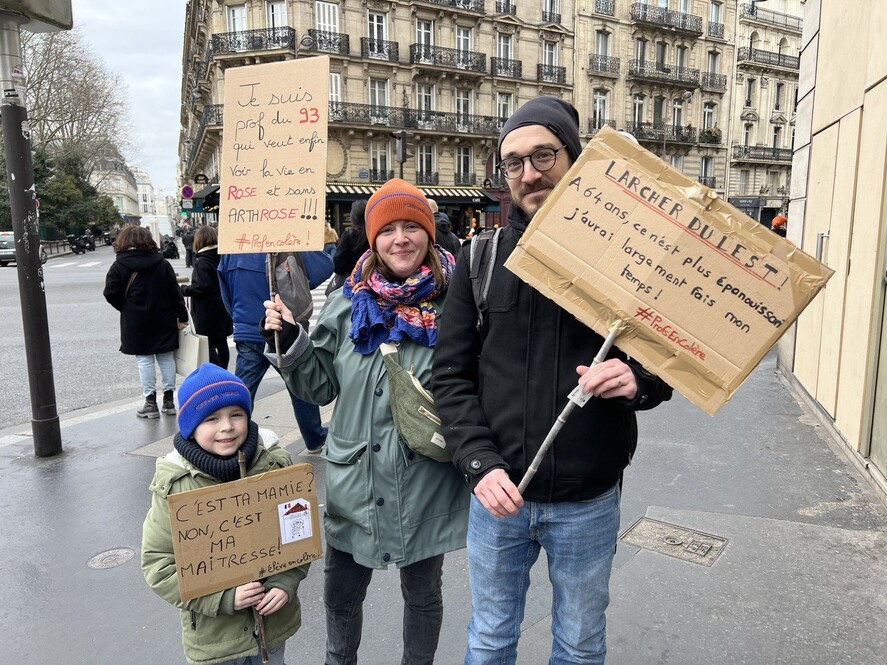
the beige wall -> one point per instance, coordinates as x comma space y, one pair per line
838, 189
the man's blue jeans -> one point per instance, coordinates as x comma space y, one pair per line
251, 367
579, 540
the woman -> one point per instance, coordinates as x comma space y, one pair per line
142, 286
384, 503
209, 313
352, 245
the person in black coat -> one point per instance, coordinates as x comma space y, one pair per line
142, 286
207, 308
188, 242
352, 245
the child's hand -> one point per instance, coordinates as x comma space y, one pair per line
247, 595
273, 601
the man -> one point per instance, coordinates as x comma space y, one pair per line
444, 235
499, 390
188, 244
244, 290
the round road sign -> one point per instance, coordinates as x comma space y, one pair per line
187, 191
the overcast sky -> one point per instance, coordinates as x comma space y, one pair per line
142, 41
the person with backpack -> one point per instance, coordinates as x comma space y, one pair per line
352, 245
503, 367
445, 237
385, 503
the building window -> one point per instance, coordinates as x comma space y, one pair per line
463, 102
326, 16
677, 113
549, 54
684, 6
640, 49
425, 97
378, 93
425, 33
707, 167
638, 110
603, 42
744, 181
777, 136
463, 39
714, 65
680, 56
236, 18
747, 134
504, 105
677, 162
275, 13
783, 46
551, 6
750, 85
425, 158
503, 46
463, 160
773, 181
376, 27
335, 87
661, 54
599, 108
379, 156
659, 113
714, 13
709, 115
780, 91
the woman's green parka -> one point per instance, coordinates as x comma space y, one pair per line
212, 630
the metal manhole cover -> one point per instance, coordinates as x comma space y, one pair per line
111, 558
675, 541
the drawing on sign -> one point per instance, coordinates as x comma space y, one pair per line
295, 521
274, 149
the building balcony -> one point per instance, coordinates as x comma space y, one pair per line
380, 175
594, 124
329, 42
658, 133
506, 67
551, 17
768, 16
757, 56
267, 39
761, 154
603, 64
379, 49
660, 17
467, 5
213, 115
551, 74
427, 178
714, 81
716, 30
437, 56
464, 179
710, 136
393, 116
655, 71
708, 181
607, 7
506, 7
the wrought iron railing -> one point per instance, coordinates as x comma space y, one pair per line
708, 181
505, 7
714, 80
594, 124
427, 178
448, 57
265, 39
394, 116
659, 16
768, 58
710, 136
470, 5
465, 179
716, 30
506, 67
761, 153
603, 64
330, 42
662, 72
551, 17
657, 132
380, 175
773, 18
212, 115
607, 7
551, 74
379, 49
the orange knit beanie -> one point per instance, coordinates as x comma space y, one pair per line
397, 201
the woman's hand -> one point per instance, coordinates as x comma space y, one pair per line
611, 378
247, 595
273, 601
182, 326
275, 312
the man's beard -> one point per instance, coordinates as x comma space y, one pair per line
541, 185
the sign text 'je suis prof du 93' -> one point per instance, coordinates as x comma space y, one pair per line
701, 290
272, 194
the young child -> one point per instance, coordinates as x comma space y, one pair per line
214, 424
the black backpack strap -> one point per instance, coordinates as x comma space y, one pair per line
481, 262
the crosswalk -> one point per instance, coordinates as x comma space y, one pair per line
54, 265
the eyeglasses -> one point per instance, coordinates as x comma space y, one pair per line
542, 159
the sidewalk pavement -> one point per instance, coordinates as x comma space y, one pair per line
800, 580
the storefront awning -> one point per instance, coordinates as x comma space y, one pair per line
465, 195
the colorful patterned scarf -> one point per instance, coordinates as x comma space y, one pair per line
384, 311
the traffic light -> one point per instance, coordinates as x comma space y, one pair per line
405, 145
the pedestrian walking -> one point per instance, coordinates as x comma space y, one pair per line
244, 287
499, 387
207, 308
444, 235
214, 425
188, 243
385, 503
352, 245
330, 239
142, 286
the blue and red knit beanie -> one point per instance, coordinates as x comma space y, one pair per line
205, 390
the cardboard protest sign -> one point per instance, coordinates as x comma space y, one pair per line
238, 532
272, 194
701, 290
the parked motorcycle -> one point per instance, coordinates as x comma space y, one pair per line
106, 236
86, 241
74, 244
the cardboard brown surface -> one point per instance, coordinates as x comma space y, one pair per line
701, 290
233, 533
272, 194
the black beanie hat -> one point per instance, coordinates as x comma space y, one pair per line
556, 115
